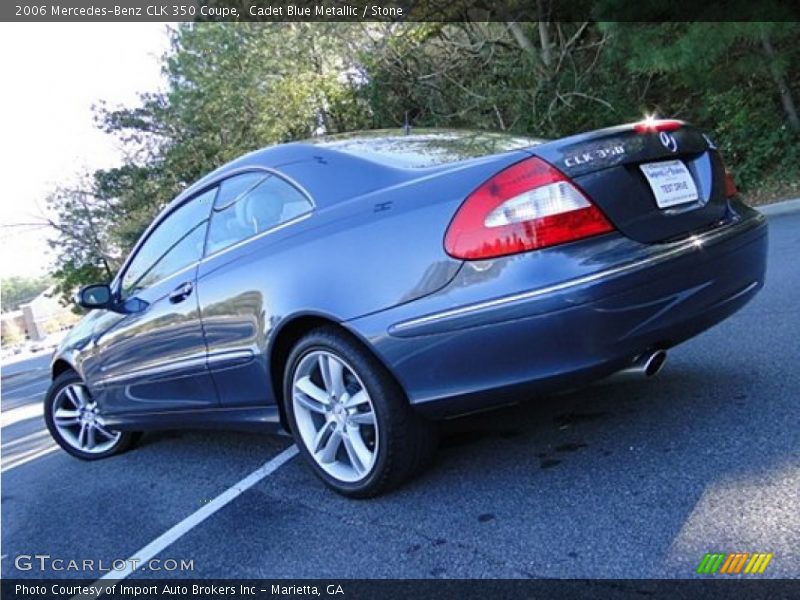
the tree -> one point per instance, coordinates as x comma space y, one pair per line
12, 334
235, 87
737, 80
86, 227
232, 88
534, 78
19, 290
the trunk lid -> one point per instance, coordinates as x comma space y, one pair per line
652, 185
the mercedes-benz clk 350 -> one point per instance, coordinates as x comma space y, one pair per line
356, 289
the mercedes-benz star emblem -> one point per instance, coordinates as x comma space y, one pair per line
669, 141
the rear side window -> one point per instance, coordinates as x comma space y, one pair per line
234, 188
250, 204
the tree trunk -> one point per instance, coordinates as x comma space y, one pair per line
527, 46
522, 39
544, 39
787, 100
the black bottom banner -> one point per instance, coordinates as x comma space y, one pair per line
387, 589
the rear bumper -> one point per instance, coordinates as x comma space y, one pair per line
618, 299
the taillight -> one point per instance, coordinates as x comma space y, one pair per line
529, 205
656, 125
730, 185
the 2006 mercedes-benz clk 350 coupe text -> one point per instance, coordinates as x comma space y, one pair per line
354, 289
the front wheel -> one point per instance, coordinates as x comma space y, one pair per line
349, 417
74, 421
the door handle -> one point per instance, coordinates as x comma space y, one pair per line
180, 293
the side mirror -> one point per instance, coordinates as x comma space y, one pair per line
97, 295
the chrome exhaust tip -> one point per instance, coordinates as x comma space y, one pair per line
653, 363
644, 367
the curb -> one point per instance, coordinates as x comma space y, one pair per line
780, 208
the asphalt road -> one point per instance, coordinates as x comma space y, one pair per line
636, 479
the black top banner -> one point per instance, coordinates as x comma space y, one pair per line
398, 10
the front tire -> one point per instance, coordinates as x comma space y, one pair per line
74, 421
350, 418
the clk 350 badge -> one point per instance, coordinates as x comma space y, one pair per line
592, 155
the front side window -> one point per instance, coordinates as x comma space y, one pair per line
176, 243
249, 204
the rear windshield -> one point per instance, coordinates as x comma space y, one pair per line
424, 148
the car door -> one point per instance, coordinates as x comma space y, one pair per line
252, 212
153, 358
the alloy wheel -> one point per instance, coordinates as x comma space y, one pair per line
76, 418
335, 416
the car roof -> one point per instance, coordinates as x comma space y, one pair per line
394, 155
389, 149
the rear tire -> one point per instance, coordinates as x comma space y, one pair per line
349, 417
74, 421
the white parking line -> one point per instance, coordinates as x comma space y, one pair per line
23, 413
16, 389
27, 457
39, 435
197, 517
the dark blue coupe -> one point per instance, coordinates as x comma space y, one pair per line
354, 289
